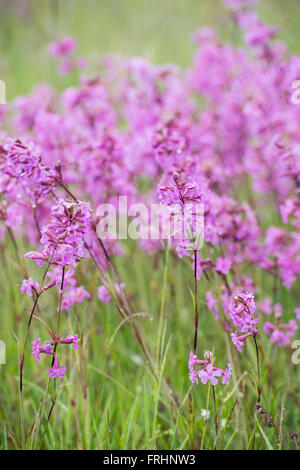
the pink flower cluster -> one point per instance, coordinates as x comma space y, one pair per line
63, 50
207, 371
49, 348
29, 286
241, 311
280, 333
63, 238
138, 131
182, 196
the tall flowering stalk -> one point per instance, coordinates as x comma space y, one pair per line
241, 311
183, 196
207, 372
62, 245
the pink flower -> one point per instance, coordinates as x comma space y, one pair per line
210, 373
193, 373
56, 276
70, 339
56, 370
260, 34
183, 199
29, 285
207, 370
297, 312
287, 209
46, 348
181, 191
238, 341
103, 294
282, 333
64, 47
227, 374
223, 265
63, 238
26, 176
75, 295
37, 349
241, 310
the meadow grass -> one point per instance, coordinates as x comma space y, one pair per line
110, 400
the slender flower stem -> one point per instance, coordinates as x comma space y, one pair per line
60, 299
258, 369
195, 322
54, 351
21, 418
196, 315
162, 306
59, 316
37, 222
22, 357
22, 353
257, 358
215, 411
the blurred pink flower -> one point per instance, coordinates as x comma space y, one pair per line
56, 370
29, 285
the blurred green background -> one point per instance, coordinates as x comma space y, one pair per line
159, 30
